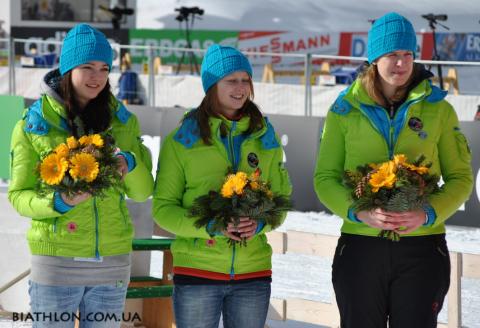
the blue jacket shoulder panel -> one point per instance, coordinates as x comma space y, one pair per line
436, 95
341, 106
188, 133
122, 113
269, 141
34, 121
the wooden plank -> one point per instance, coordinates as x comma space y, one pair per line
158, 313
313, 312
277, 310
133, 309
471, 265
311, 243
278, 241
455, 292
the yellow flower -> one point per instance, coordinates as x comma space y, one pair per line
270, 194
384, 177
93, 139
234, 184
254, 185
418, 169
421, 169
400, 159
62, 150
84, 166
72, 143
227, 190
52, 169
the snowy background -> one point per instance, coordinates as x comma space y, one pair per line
308, 277
307, 15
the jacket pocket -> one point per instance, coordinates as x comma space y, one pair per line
463, 148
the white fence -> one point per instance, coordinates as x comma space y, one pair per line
326, 314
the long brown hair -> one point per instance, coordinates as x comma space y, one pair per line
370, 79
209, 107
96, 117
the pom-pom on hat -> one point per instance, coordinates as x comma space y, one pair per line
389, 33
83, 44
220, 61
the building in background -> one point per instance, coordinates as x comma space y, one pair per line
36, 20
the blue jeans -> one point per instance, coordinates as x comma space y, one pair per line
58, 306
243, 305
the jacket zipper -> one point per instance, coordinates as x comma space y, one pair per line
122, 211
391, 146
376, 128
230, 146
232, 270
235, 169
97, 254
391, 119
55, 225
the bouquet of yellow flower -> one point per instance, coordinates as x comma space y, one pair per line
241, 195
395, 186
87, 164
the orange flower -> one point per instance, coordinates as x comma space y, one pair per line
93, 139
62, 150
418, 169
400, 159
53, 168
384, 177
84, 166
234, 184
72, 143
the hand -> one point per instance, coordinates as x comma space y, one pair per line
409, 221
245, 229
77, 199
400, 222
122, 166
378, 218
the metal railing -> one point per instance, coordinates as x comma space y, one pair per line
150, 52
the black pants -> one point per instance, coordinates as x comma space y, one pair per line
377, 280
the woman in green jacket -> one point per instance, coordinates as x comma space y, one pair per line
226, 132
80, 245
392, 108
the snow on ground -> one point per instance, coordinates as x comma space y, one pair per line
314, 282
308, 277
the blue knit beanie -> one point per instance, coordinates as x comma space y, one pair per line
389, 33
83, 44
220, 61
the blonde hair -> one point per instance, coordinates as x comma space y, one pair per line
370, 79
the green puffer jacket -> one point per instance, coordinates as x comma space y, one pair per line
95, 227
188, 168
357, 132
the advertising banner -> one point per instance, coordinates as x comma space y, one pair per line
34, 34
176, 39
287, 43
355, 44
458, 46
